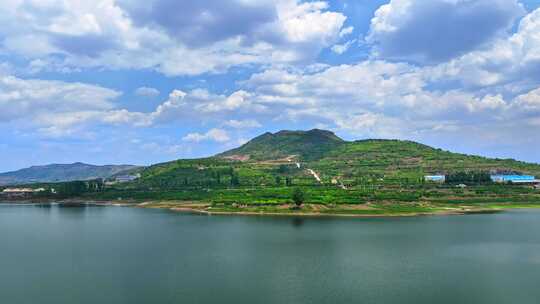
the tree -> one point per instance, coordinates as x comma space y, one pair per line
235, 181
288, 181
298, 197
278, 180
283, 169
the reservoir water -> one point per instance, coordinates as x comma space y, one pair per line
57, 255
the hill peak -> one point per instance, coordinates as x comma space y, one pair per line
311, 133
307, 145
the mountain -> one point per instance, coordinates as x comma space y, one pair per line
347, 177
62, 173
267, 160
306, 145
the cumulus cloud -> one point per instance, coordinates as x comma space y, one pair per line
439, 30
57, 108
217, 135
200, 23
243, 124
200, 104
342, 48
346, 31
529, 102
147, 92
512, 63
171, 37
383, 99
22, 98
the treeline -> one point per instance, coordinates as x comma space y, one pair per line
192, 177
476, 177
73, 189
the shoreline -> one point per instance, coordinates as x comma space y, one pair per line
202, 209
206, 209
68, 202
343, 215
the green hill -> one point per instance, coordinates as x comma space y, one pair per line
271, 157
395, 160
305, 145
367, 176
61, 173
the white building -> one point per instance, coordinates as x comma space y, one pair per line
435, 178
21, 191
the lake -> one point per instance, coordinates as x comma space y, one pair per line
57, 255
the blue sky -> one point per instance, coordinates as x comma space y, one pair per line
125, 81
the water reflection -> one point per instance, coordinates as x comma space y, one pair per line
298, 222
79, 210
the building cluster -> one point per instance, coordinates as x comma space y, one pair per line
23, 190
498, 178
123, 179
20, 192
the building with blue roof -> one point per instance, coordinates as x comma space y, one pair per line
513, 179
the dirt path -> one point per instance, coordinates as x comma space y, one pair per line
315, 175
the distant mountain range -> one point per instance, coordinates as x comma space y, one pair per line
62, 173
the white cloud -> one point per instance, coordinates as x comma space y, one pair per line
439, 30
382, 99
529, 102
21, 98
512, 61
243, 124
346, 31
123, 34
147, 92
199, 104
217, 135
342, 48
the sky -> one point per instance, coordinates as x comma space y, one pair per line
142, 82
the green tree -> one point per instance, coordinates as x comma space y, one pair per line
298, 197
283, 169
235, 181
278, 180
288, 181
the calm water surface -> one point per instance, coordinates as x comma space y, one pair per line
57, 255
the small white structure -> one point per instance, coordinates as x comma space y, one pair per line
435, 178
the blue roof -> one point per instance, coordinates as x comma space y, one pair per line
435, 177
512, 177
